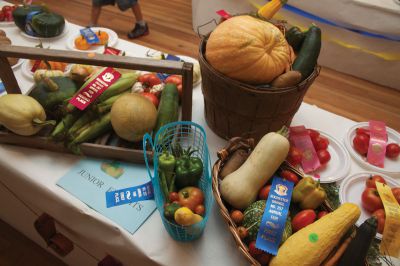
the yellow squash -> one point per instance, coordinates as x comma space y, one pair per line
184, 216
311, 245
22, 114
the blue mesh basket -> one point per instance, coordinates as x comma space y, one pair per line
186, 134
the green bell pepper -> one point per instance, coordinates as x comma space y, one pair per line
189, 170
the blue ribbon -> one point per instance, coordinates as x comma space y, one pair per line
89, 35
313, 17
274, 218
129, 195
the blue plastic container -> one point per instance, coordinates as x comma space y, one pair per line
187, 134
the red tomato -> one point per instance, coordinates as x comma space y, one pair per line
153, 80
295, 155
361, 130
199, 209
290, 176
321, 143
324, 156
237, 216
151, 97
372, 179
263, 258
177, 80
313, 133
392, 150
6, 9
242, 232
190, 197
264, 192
253, 250
2, 17
322, 214
361, 143
396, 193
302, 219
370, 200
173, 196
149, 80
381, 217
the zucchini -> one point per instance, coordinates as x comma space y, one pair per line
309, 52
295, 37
356, 252
168, 110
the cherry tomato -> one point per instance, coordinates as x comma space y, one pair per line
372, 179
264, 192
361, 143
263, 258
381, 217
173, 196
295, 156
253, 250
302, 219
242, 232
361, 130
324, 156
237, 216
313, 133
290, 176
396, 193
322, 214
199, 209
151, 97
190, 197
370, 200
392, 150
321, 143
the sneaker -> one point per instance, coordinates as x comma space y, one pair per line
138, 31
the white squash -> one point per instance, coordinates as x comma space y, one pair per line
240, 188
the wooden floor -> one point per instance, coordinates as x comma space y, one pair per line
171, 31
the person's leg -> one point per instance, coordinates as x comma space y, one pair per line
95, 14
141, 27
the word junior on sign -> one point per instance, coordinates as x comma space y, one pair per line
91, 178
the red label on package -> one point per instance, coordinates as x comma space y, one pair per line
111, 50
377, 143
95, 88
301, 139
35, 65
224, 14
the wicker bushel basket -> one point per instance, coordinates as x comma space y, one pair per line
233, 108
224, 155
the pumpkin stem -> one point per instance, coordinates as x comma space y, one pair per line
284, 131
37, 122
47, 64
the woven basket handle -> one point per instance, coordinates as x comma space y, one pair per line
235, 144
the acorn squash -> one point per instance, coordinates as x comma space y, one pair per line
21, 12
48, 24
248, 49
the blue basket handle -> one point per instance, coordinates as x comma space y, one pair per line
147, 138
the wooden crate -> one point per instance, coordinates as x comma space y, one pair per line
100, 147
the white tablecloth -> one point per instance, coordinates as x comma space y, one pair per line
33, 174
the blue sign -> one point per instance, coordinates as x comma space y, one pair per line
274, 218
90, 36
129, 195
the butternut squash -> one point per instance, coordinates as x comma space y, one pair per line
240, 188
311, 245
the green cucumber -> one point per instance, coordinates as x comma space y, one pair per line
295, 37
309, 52
168, 110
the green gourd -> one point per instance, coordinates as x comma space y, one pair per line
48, 24
21, 12
52, 91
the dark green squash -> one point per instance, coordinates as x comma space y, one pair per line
20, 13
48, 24
51, 92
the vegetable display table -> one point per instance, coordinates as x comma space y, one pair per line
28, 188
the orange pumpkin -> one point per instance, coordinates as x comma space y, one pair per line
81, 43
52, 65
248, 49
103, 37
